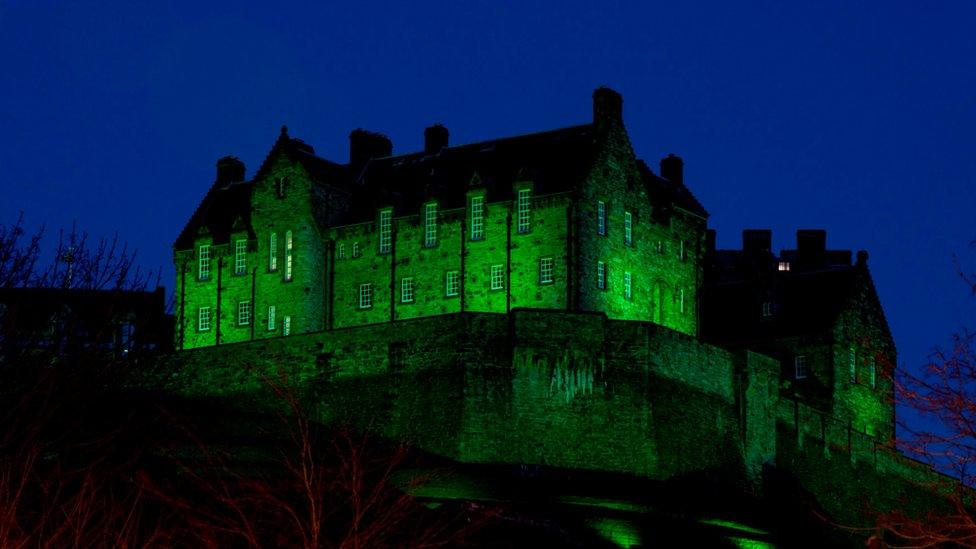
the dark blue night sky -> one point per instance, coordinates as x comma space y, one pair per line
856, 117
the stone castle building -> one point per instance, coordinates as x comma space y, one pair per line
545, 299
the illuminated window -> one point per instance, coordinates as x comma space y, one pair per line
523, 210
406, 290
430, 224
601, 275
386, 231
341, 251
365, 296
271, 317
203, 262
852, 364
497, 277
681, 300
800, 368
628, 288
453, 283
244, 313
273, 252
477, 217
767, 310
546, 270
240, 257
784, 265
203, 319
355, 249
601, 218
289, 246
286, 325
628, 228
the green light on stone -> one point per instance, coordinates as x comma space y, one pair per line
618, 532
746, 543
734, 526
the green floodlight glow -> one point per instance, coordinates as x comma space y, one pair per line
618, 532
746, 543
734, 526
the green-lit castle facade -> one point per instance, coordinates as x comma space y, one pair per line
543, 299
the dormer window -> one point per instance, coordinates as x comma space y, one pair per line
386, 231
477, 217
523, 206
430, 224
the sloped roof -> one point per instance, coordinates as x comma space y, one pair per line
225, 206
664, 191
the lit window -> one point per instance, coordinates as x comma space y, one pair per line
477, 217
430, 224
601, 275
289, 246
286, 325
341, 251
406, 290
497, 277
386, 231
681, 300
244, 313
453, 283
240, 257
767, 309
271, 317
546, 270
628, 287
355, 249
203, 262
273, 252
628, 228
852, 364
601, 218
365, 296
523, 210
203, 319
784, 265
800, 368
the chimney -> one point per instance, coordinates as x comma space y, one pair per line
230, 170
862, 258
673, 168
364, 145
811, 243
710, 241
608, 107
757, 241
435, 139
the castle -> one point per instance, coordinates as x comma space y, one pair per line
544, 299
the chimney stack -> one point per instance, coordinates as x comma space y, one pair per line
230, 170
673, 168
435, 139
364, 145
757, 241
608, 107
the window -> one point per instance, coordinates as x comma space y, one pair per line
477, 217
430, 224
523, 210
271, 317
286, 325
852, 364
203, 262
341, 251
601, 275
289, 246
240, 257
872, 372
355, 249
203, 319
406, 290
628, 288
365, 296
660, 246
273, 252
453, 283
397, 355
243, 313
681, 300
280, 184
681, 251
545, 270
784, 265
767, 309
628, 228
800, 368
386, 231
497, 277
601, 218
